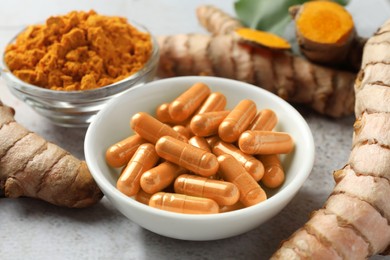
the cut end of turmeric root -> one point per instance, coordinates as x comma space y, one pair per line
32, 167
264, 39
324, 22
326, 34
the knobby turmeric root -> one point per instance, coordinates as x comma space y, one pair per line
32, 167
354, 222
327, 91
326, 34
216, 21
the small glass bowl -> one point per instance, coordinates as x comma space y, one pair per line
77, 108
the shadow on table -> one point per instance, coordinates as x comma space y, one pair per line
259, 243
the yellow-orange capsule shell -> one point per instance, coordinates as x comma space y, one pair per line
162, 114
120, 153
233, 207
183, 130
199, 142
207, 124
190, 157
222, 192
231, 170
216, 101
143, 197
253, 166
152, 129
183, 203
159, 177
265, 142
237, 121
274, 173
143, 159
188, 102
265, 120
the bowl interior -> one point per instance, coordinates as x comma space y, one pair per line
113, 124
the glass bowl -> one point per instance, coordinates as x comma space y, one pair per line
77, 108
100, 135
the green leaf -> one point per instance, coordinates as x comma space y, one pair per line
268, 15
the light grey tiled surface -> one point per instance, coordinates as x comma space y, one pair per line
32, 229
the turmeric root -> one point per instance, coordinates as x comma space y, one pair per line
32, 167
216, 21
326, 34
327, 91
354, 222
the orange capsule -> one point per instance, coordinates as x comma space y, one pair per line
265, 120
216, 101
143, 197
162, 114
186, 104
222, 192
237, 121
120, 153
274, 173
253, 166
151, 129
184, 131
190, 157
207, 124
231, 170
233, 207
199, 142
183, 203
143, 159
160, 177
265, 142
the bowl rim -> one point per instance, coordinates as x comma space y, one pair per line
110, 89
291, 189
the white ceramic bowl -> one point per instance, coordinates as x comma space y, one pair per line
112, 124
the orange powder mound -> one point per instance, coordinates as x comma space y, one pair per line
78, 51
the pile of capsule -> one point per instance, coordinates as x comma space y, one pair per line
196, 157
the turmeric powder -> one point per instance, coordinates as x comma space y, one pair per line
78, 51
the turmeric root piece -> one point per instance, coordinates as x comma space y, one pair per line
32, 167
363, 216
358, 212
327, 91
216, 21
264, 39
326, 34
340, 236
307, 246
